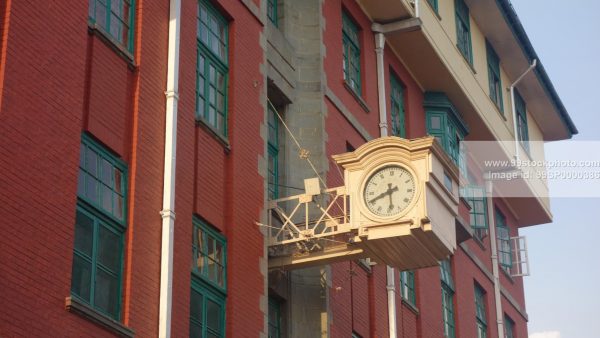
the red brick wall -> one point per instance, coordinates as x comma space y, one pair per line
59, 81
42, 104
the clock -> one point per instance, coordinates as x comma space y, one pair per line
389, 191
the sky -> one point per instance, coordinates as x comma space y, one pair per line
563, 292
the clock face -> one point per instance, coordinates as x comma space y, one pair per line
389, 190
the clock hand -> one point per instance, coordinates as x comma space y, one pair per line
383, 194
389, 191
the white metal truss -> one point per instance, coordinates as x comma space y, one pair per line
306, 219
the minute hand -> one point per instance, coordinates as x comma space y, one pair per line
389, 191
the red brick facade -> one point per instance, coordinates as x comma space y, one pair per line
59, 78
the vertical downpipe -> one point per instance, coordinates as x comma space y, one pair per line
511, 89
383, 131
168, 210
495, 270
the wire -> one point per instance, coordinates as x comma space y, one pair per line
304, 154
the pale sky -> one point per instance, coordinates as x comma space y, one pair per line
563, 291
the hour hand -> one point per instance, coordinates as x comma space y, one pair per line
383, 194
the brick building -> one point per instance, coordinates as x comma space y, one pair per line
134, 131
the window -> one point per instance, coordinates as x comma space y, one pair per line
273, 152
351, 48
210, 255
509, 327
494, 77
274, 318
504, 250
212, 68
207, 312
447, 299
434, 5
272, 12
480, 312
447, 181
475, 196
522, 129
407, 286
397, 103
209, 276
463, 30
445, 123
115, 17
99, 229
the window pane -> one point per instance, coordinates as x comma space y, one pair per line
117, 179
91, 162
81, 278
213, 314
106, 172
100, 14
195, 330
81, 183
109, 252
106, 198
197, 301
84, 233
106, 292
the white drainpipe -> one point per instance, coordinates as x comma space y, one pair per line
383, 131
416, 8
494, 247
513, 106
168, 210
379, 45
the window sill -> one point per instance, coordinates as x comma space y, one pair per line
94, 29
498, 110
360, 100
507, 274
76, 306
214, 133
435, 11
467, 62
479, 241
411, 306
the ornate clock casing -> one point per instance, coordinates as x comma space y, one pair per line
418, 229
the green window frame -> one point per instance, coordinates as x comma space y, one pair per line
351, 50
445, 123
503, 234
407, 286
522, 129
209, 249
398, 112
212, 70
447, 299
272, 12
495, 82
273, 153
476, 197
434, 5
509, 327
97, 268
274, 318
480, 312
463, 30
116, 18
207, 311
